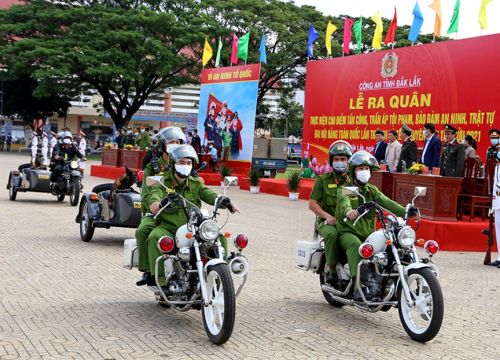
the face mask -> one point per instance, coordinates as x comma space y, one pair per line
494, 142
210, 147
425, 133
183, 170
67, 141
363, 176
142, 131
129, 132
339, 166
171, 147
463, 142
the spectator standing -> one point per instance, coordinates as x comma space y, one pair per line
393, 151
380, 146
470, 146
9, 141
492, 152
119, 139
2, 140
408, 155
196, 141
452, 163
432, 147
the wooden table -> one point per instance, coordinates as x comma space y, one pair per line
111, 157
132, 159
384, 181
440, 202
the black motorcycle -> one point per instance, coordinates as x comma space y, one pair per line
69, 183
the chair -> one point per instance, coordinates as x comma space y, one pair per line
469, 186
483, 201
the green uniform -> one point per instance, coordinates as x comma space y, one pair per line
144, 140
148, 223
325, 193
350, 236
173, 218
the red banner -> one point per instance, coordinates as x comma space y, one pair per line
452, 82
231, 74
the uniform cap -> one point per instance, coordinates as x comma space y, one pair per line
494, 133
450, 128
406, 129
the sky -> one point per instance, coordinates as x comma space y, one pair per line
468, 21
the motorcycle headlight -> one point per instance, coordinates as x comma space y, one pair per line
209, 230
406, 236
73, 165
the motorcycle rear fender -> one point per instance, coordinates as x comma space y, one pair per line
93, 206
421, 265
212, 263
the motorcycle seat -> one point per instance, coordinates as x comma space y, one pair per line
106, 194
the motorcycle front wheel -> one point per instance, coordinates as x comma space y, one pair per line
423, 320
219, 315
74, 196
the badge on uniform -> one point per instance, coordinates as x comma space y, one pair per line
330, 186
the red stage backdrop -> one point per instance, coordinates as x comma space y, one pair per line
453, 82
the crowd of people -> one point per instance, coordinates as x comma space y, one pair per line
447, 159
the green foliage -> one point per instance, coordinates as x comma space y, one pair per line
224, 171
254, 177
289, 120
293, 181
125, 51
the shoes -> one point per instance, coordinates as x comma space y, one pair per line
495, 263
147, 279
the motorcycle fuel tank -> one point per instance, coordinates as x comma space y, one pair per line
377, 240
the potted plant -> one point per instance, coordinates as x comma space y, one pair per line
254, 178
224, 171
293, 185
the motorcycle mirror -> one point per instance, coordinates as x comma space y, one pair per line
154, 181
230, 180
420, 191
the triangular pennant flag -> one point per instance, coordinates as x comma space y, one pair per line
453, 28
330, 29
379, 29
262, 49
243, 46
436, 6
234, 51
418, 20
391, 32
219, 48
207, 53
313, 36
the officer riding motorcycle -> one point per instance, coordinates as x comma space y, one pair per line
159, 165
65, 151
323, 201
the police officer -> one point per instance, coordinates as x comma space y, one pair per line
453, 157
361, 165
52, 143
408, 154
323, 201
492, 152
168, 138
129, 138
144, 139
178, 180
64, 152
34, 147
45, 149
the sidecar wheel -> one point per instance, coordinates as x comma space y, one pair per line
219, 315
423, 320
86, 227
12, 193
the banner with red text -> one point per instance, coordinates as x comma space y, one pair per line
452, 82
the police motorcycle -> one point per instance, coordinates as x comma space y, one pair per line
28, 179
390, 274
108, 205
197, 276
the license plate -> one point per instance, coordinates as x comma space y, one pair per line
267, 173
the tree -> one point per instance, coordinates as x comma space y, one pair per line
290, 114
20, 102
124, 50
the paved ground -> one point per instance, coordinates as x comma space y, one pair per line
61, 298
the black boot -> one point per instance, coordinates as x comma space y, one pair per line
147, 279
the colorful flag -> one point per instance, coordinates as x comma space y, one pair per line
207, 53
436, 6
313, 36
243, 46
262, 49
418, 20
391, 32
330, 29
234, 51
347, 34
482, 14
219, 48
454, 19
379, 28
357, 28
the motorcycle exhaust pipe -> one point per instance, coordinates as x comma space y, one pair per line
239, 266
